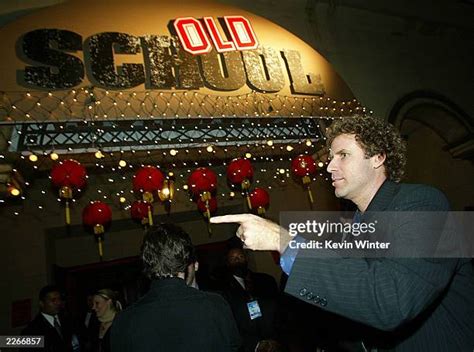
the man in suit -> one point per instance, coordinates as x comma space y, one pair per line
412, 304
173, 316
243, 287
57, 330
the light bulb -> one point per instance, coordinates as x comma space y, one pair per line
15, 192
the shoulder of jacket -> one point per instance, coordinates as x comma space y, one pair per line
423, 194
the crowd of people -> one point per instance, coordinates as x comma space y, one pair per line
339, 303
176, 314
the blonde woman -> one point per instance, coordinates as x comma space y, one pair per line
106, 306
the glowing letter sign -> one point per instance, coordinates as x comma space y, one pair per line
196, 41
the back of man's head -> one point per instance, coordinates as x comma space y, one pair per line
166, 251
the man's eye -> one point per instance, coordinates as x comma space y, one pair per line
343, 155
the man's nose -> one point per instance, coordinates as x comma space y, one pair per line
331, 166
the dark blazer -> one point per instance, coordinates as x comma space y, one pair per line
173, 317
263, 289
425, 304
52, 340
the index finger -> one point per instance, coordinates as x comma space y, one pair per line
233, 218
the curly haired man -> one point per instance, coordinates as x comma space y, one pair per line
407, 304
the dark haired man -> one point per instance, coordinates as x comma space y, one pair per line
420, 304
57, 331
252, 297
173, 316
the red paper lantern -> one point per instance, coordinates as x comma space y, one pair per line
69, 176
239, 170
142, 211
304, 166
212, 206
260, 199
239, 173
69, 173
201, 181
96, 215
148, 179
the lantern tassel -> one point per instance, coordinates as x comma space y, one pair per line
310, 194
208, 212
249, 204
101, 249
245, 187
307, 182
98, 231
208, 216
68, 213
150, 216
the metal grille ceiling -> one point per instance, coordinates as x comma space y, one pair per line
86, 136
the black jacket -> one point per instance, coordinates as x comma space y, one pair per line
53, 342
264, 290
173, 317
417, 304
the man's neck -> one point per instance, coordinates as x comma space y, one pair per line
369, 194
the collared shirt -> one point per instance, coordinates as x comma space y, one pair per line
240, 281
288, 257
50, 318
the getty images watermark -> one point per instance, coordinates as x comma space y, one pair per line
328, 228
380, 234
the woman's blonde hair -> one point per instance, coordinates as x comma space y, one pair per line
107, 294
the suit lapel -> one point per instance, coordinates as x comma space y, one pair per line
48, 327
384, 196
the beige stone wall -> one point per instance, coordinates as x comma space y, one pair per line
429, 162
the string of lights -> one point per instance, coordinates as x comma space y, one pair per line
91, 103
113, 133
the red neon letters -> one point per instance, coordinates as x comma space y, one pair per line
196, 40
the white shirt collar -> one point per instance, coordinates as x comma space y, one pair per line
240, 281
50, 319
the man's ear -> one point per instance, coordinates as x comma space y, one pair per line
196, 265
379, 160
41, 304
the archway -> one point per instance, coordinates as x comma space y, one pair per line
440, 145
